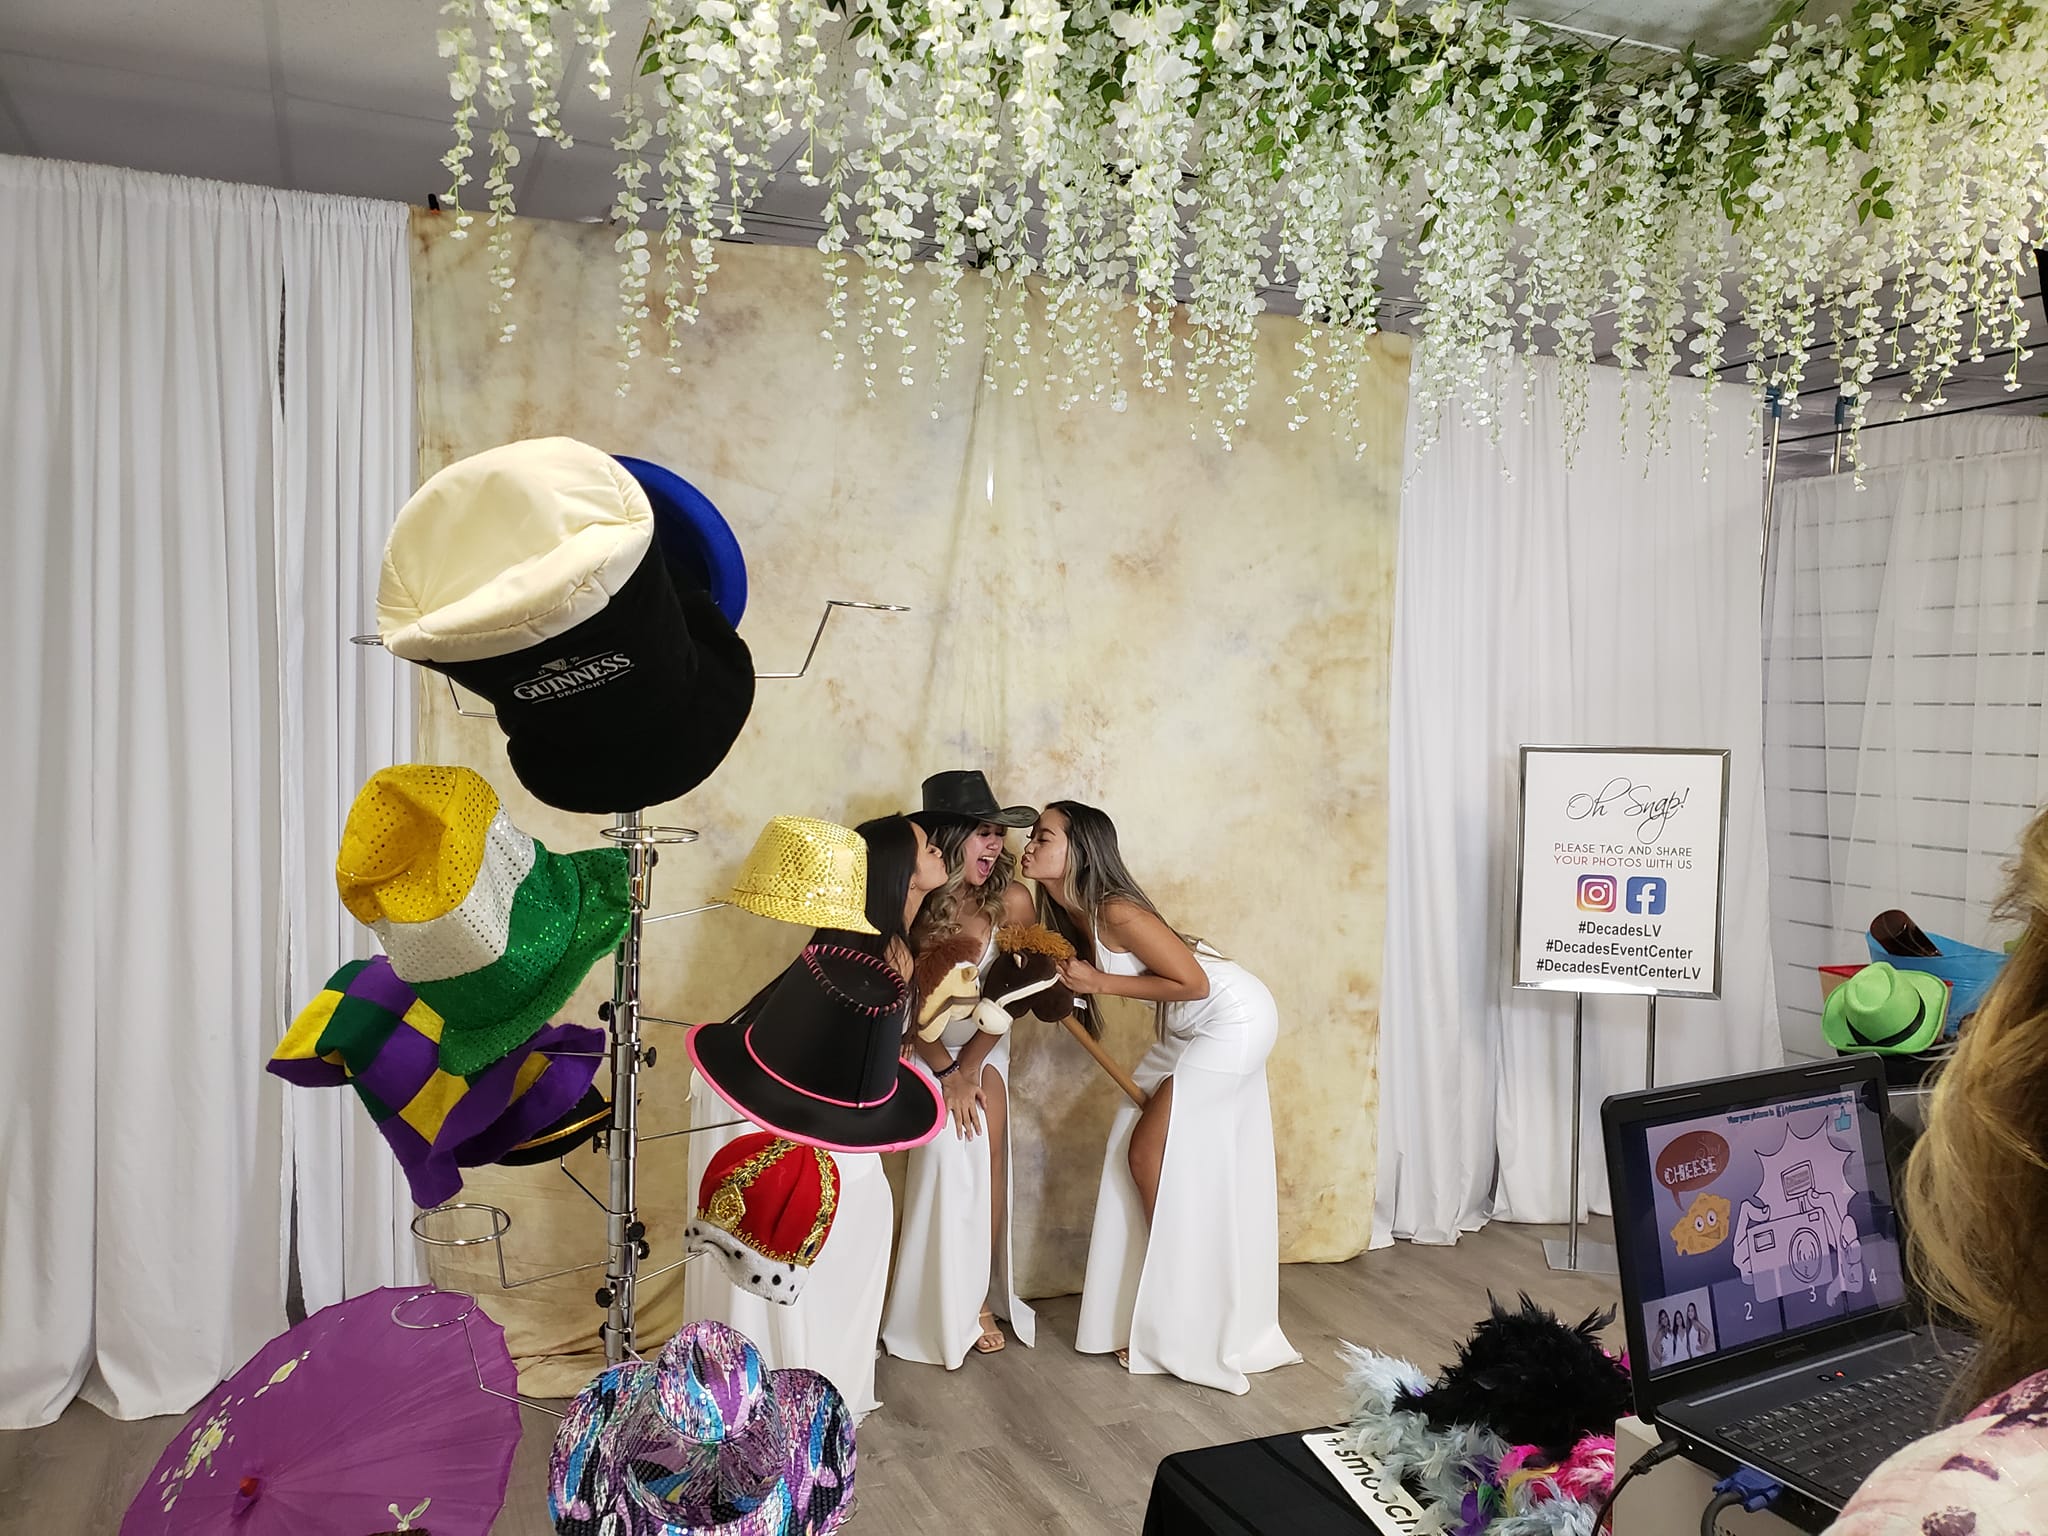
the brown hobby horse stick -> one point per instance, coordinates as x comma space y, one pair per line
1105, 1061
1025, 980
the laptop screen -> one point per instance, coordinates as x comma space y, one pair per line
1756, 1221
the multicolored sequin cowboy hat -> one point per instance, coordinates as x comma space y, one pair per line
537, 575
490, 929
817, 1057
705, 1443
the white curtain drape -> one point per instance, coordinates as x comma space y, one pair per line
1908, 661
145, 454
347, 467
1609, 602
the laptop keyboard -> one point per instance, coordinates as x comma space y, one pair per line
1837, 1437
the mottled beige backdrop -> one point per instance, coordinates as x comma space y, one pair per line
1103, 607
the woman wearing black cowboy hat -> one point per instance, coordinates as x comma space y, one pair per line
953, 1274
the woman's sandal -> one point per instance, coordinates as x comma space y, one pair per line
991, 1341
1123, 1358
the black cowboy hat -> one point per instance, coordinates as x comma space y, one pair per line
817, 1057
590, 1115
964, 793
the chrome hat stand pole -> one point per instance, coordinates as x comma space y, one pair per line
468, 1224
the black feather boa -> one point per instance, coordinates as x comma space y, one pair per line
1531, 1379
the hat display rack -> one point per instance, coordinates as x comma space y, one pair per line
473, 1224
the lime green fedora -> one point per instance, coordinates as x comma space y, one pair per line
1883, 1008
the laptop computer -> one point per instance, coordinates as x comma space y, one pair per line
1762, 1278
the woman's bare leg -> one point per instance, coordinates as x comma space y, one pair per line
1148, 1145
996, 1123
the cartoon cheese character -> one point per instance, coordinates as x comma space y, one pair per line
1704, 1226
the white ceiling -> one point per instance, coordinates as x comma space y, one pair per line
349, 96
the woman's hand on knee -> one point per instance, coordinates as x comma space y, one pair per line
964, 1103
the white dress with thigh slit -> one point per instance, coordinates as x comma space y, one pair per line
832, 1326
1198, 1295
949, 1265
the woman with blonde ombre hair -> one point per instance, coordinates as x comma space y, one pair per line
953, 1275
1975, 1202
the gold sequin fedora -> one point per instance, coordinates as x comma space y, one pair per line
805, 871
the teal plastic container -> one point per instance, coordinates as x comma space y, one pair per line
1968, 970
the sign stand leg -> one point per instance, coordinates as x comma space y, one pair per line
1650, 1049
1569, 1253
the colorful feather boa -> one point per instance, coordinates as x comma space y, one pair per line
1473, 1483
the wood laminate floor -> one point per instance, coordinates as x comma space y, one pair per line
1027, 1440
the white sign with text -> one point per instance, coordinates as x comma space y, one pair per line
1392, 1509
1620, 882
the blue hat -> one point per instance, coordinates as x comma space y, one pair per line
694, 534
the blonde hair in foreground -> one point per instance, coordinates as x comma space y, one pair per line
1976, 1188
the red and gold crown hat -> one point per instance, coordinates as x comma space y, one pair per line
765, 1208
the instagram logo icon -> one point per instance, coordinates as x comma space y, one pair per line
1596, 893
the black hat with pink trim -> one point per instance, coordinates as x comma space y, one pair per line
817, 1058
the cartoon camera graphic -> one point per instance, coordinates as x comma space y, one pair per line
1811, 1247
1789, 1253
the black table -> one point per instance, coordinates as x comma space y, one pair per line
1249, 1488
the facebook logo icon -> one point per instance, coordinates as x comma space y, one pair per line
1645, 896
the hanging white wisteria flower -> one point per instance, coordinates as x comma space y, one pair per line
520, 33
497, 94
593, 24
1870, 186
1153, 122
465, 75
635, 262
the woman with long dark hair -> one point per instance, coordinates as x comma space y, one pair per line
953, 1274
1184, 1264
904, 868
832, 1328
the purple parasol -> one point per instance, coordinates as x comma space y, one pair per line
347, 1425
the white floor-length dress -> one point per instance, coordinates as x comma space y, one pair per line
1198, 1296
832, 1327
948, 1262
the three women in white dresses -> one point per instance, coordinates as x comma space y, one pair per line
1183, 1264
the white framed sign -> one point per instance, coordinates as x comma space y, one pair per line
1382, 1497
1620, 883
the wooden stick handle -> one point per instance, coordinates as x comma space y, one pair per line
1105, 1061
